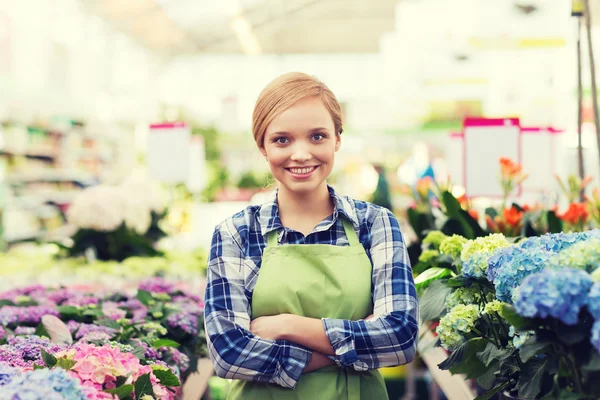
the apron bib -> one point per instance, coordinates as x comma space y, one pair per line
315, 281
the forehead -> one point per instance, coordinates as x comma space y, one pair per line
304, 115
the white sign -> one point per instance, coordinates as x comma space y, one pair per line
168, 152
486, 140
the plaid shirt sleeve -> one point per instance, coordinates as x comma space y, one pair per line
236, 353
390, 338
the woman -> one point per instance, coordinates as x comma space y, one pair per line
311, 292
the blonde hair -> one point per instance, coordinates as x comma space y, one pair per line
283, 92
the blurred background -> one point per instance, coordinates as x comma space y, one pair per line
160, 93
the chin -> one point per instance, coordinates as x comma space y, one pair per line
302, 187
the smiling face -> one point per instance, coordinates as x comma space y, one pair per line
300, 145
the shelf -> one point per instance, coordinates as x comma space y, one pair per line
52, 176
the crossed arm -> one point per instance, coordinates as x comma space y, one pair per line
278, 349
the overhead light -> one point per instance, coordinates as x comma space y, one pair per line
243, 30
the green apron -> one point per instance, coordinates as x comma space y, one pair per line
315, 281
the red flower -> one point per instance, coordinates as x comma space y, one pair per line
513, 216
575, 214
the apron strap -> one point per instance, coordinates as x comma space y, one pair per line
350, 232
272, 239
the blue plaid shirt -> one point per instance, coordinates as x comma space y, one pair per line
237, 245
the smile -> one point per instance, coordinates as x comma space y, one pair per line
302, 172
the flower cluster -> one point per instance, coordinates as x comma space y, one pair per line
556, 293
44, 384
10, 315
434, 239
453, 245
460, 320
583, 255
508, 267
476, 253
466, 295
24, 351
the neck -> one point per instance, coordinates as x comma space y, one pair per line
316, 203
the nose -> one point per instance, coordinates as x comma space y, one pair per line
300, 153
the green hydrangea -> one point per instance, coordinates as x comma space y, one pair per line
434, 239
124, 348
463, 295
493, 307
161, 296
428, 255
461, 319
583, 255
485, 244
453, 245
154, 328
596, 275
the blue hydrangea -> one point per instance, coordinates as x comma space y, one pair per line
508, 266
554, 293
7, 374
44, 384
593, 301
595, 339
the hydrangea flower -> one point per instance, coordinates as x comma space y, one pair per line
157, 285
25, 315
593, 300
428, 255
453, 245
509, 266
464, 295
7, 374
25, 330
583, 255
554, 293
29, 346
434, 239
461, 319
56, 384
186, 321
476, 254
494, 306
595, 339
84, 330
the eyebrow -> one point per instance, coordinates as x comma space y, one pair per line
313, 130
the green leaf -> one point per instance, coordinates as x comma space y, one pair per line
531, 347
488, 379
420, 222
121, 391
492, 353
144, 297
48, 358
65, 363
530, 381
488, 395
110, 323
423, 280
143, 386
433, 301
41, 331
121, 380
554, 223
139, 352
593, 364
166, 377
68, 311
463, 359
459, 281
491, 211
566, 395
6, 303
165, 343
37, 366
509, 313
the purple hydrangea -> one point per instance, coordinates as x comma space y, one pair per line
73, 326
59, 296
175, 357
595, 339
25, 291
86, 329
157, 285
112, 310
132, 304
13, 358
44, 384
80, 300
185, 321
554, 293
139, 315
25, 330
30, 346
25, 315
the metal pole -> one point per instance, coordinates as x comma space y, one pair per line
587, 16
579, 108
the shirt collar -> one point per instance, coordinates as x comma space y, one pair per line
269, 212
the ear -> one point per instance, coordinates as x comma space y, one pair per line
338, 141
263, 151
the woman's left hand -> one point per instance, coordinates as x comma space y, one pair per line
271, 327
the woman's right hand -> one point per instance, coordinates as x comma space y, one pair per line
317, 361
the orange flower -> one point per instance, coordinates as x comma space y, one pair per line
423, 186
509, 168
474, 214
576, 213
513, 216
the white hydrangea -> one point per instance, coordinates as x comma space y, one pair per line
136, 213
148, 191
99, 208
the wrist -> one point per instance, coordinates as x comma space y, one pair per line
288, 326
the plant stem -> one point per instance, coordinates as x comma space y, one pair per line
577, 378
477, 331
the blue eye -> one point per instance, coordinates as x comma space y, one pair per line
318, 137
281, 140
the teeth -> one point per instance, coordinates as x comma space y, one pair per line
301, 171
